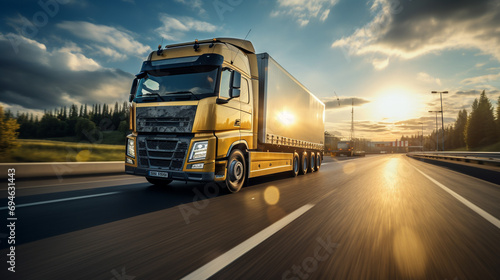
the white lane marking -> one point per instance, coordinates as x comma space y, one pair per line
326, 163
230, 256
60, 200
75, 183
467, 203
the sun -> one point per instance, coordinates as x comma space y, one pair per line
396, 104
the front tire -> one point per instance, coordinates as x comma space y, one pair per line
159, 182
236, 171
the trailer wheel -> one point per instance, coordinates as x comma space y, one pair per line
295, 165
303, 163
312, 162
318, 162
236, 171
158, 182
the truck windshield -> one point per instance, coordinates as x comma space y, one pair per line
177, 84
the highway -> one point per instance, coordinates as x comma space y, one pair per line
376, 217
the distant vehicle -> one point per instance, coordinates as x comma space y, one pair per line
359, 153
344, 148
214, 110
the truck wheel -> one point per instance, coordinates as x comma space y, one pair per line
295, 165
318, 162
303, 163
312, 162
158, 182
236, 171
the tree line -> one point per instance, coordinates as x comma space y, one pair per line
479, 128
82, 122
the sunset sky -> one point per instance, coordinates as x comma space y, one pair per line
387, 55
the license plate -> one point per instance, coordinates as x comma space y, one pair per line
158, 174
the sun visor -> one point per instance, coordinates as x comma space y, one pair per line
182, 62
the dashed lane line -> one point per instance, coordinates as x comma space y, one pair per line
60, 200
230, 256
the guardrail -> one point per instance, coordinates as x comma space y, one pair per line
62, 169
484, 158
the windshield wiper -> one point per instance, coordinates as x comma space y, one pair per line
186, 91
153, 93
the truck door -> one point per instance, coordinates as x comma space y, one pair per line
228, 122
246, 110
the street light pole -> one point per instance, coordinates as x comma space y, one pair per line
422, 139
437, 132
442, 118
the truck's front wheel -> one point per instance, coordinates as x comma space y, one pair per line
236, 171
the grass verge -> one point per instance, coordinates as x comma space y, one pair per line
56, 151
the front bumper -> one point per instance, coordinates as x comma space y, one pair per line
173, 175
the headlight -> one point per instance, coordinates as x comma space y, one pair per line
130, 148
199, 151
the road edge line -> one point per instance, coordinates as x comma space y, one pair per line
490, 218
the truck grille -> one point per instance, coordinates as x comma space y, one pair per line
166, 119
161, 144
163, 122
164, 153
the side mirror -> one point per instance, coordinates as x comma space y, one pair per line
133, 89
235, 84
235, 92
235, 79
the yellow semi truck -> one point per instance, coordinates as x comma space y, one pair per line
214, 110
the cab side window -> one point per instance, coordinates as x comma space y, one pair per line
225, 80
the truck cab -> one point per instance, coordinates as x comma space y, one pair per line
188, 99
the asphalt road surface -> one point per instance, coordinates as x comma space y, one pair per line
377, 217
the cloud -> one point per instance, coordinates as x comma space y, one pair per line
370, 126
417, 123
45, 78
194, 4
474, 92
324, 15
303, 11
484, 79
333, 103
111, 41
411, 29
426, 78
380, 64
174, 28
113, 54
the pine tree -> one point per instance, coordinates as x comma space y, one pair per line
8, 132
481, 128
73, 111
458, 131
498, 119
